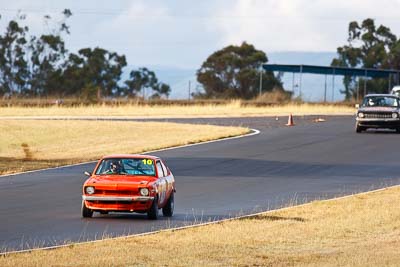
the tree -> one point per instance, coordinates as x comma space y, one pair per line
368, 47
41, 66
162, 89
13, 66
47, 58
233, 72
94, 68
72, 79
144, 79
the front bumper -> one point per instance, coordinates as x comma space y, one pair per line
117, 198
379, 123
118, 203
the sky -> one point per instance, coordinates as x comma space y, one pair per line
182, 34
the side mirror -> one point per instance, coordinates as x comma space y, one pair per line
357, 105
88, 174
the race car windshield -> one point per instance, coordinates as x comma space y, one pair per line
380, 101
123, 166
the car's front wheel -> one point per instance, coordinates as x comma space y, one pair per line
86, 212
359, 128
152, 213
168, 209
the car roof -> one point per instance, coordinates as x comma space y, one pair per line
389, 95
130, 156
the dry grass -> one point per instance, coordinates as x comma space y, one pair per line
363, 230
274, 96
27, 145
234, 108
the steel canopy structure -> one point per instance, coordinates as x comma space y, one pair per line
343, 71
334, 71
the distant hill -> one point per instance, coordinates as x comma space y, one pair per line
312, 85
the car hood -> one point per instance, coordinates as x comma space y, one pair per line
377, 109
120, 180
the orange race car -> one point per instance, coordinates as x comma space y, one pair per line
129, 183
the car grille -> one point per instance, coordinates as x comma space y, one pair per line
382, 115
117, 192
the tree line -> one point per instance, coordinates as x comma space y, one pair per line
38, 66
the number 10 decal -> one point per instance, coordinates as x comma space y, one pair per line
147, 162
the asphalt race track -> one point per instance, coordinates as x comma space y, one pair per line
280, 166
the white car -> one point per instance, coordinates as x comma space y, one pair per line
378, 111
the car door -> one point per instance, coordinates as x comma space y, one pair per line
169, 179
162, 183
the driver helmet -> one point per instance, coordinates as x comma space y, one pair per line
371, 102
115, 165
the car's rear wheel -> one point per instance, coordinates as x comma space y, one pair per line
168, 209
86, 212
152, 213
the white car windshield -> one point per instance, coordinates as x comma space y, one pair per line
380, 101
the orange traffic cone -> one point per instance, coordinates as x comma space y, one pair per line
290, 120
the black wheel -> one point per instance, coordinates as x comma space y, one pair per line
168, 209
86, 212
397, 130
152, 213
359, 128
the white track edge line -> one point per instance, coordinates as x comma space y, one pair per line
253, 132
196, 225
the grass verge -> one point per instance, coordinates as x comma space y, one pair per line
28, 145
362, 230
231, 109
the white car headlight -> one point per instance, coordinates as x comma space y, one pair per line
395, 115
361, 115
144, 191
89, 190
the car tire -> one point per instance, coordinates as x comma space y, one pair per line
359, 128
168, 209
86, 212
397, 130
152, 213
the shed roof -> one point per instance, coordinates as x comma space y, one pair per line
344, 71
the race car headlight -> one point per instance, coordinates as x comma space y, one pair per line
144, 191
395, 115
361, 115
89, 190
